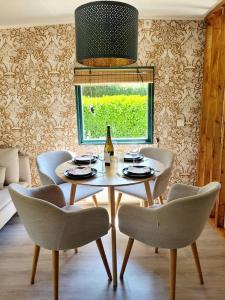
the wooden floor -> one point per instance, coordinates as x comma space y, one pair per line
82, 275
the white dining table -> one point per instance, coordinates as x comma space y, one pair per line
111, 178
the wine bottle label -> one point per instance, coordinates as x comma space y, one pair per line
107, 158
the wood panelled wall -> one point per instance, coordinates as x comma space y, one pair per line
212, 135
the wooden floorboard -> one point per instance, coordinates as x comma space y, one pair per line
82, 275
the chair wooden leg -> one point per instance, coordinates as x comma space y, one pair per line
156, 250
197, 262
145, 203
104, 259
148, 193
76, 250
55, 265
173, 267
94, 198
161, 199
118, 202
35, 261
126, 256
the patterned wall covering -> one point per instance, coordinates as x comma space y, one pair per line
37, 107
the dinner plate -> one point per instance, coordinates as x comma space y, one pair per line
144, 175
139, 170
136, 159
71, 176
78, 160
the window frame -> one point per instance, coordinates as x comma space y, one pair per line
80, 121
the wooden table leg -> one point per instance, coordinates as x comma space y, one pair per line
111, 193
148, 193
72, 193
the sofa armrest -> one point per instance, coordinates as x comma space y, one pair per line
24, 169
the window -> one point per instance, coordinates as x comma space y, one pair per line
126, 107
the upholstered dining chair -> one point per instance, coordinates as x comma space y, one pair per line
53, 225
46, 165
157, 186
175, 225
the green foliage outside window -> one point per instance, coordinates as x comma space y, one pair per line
126, 114
127, 108
112, 90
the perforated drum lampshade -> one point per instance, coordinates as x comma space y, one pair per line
106, 34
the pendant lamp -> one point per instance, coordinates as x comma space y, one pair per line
106, 34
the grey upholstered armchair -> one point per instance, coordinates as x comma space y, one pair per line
53, 225
174, 225
46, 165
158, 186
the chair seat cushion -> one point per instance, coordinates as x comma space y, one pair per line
136, 190
82, 191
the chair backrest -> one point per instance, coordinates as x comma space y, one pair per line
181, 221
43, 220
166, 157
55, 228
47, 163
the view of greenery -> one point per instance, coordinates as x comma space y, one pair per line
124, 108
118, 89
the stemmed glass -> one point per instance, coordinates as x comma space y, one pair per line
135, 149
90, 155
100, 156
115, 146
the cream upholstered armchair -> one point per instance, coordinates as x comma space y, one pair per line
46, 165
174, 225
157, 186
54, 226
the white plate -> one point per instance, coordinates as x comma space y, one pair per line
129, 155
138, 170
78, 171
84, 157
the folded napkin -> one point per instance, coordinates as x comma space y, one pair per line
130, 155
84, 157
80, 171
138, 170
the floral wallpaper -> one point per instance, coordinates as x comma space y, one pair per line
37, 101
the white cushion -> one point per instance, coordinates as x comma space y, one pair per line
10, 160
82, 191
136, 190
2, 177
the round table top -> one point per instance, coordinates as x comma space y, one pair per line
113, 175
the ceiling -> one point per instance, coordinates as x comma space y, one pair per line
40, 12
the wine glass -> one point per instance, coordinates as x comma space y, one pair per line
90, 155
115, 146
120, 156
100, 155
135, 149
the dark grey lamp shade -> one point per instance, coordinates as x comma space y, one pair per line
106, 34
